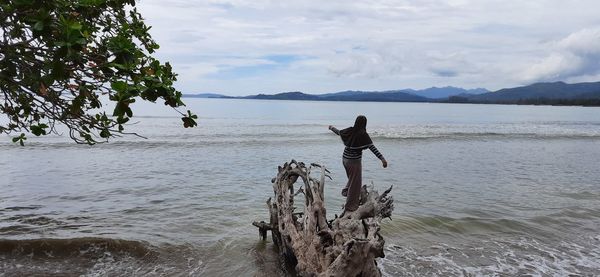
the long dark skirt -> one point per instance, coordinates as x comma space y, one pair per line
354, 173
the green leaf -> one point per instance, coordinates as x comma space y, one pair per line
39, 130
119, 86
75, 26
191, 115
122, 120
36, 130
38, 26
189, 122
105, 133
21, 139
85, 43
119, 110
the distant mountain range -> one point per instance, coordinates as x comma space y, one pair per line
556, 93
377, 96
405, 95
445, 92
556, 90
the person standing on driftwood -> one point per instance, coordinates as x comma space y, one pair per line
356, 139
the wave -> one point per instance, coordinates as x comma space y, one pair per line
499, 256
473, 246
21, 208
87, 256
84, 246
459, 226
541, 225
303, 134
481, 135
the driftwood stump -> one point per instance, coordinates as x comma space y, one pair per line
345, 246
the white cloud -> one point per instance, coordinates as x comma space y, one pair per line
450, 64
575, 56
363, 63
584, 42
374, 45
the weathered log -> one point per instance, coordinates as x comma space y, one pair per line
348, 245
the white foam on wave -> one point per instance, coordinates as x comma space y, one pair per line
421, 131
109, 265
520, 257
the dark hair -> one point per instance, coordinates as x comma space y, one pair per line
360, 123
356, 136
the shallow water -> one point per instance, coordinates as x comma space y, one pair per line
479, 190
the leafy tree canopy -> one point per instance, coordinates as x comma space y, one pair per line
58, 57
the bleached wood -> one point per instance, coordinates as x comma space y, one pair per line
348, 245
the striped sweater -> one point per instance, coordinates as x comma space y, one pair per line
355, 153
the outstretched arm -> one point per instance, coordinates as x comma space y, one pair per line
378, 154
335, 130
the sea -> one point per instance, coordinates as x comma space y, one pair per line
479, 190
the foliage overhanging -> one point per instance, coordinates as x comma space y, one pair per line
59, 57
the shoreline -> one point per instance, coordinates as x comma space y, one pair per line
595, 104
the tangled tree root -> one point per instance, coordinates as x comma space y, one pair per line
345, 246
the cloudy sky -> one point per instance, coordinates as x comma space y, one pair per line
245, 47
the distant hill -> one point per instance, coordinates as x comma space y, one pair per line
445, 92
383, 96
344, 93
557, 93
294, 95
376, 96
404, 95
432, 93
206, 95
556, 90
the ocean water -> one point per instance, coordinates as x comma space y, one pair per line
480, 190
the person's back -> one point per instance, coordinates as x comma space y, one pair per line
356, 139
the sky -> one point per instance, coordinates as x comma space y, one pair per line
247, 47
